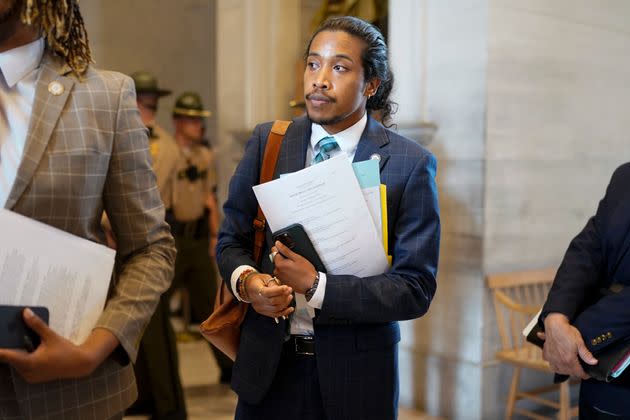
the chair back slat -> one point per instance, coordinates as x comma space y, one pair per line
517, 298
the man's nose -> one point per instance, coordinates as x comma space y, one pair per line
321, 80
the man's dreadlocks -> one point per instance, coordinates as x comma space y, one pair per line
62, 25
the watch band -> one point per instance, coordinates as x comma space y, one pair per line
311, 291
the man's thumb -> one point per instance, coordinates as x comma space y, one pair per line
36, 323
586, 355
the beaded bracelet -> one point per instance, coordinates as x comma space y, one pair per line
240, 284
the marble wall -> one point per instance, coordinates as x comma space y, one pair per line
529, 98
556, 129
441, 352
173, 40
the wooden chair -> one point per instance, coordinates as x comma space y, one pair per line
518, 296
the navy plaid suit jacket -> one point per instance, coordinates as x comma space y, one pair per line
356, 331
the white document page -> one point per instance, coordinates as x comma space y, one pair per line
327, 201
44, 266
532, 323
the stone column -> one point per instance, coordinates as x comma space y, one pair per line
257, 47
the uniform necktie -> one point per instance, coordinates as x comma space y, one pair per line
325, 145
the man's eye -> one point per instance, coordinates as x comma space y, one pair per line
339, 68
311, 65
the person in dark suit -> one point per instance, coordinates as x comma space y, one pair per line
579, 322
335, 356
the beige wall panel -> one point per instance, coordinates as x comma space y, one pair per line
173, 40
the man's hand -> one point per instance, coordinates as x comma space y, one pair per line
292, 269
563, 346
267, 297
56, 357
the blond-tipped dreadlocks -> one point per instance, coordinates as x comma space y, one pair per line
62, 26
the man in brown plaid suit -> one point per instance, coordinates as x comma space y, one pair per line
72, 145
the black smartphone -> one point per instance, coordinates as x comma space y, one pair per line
14, 333
295, 238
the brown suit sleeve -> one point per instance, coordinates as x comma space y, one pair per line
146, 251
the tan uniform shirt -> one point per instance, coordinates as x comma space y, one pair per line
194, 182
166, 155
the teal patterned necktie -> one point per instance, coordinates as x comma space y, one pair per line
325, 145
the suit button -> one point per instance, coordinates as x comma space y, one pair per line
609, 334
594, 342
599, 340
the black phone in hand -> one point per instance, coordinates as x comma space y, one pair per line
14, 333
296, 239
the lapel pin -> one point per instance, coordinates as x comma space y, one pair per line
376, 157
55, 88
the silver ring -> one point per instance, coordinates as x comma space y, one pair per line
273, 255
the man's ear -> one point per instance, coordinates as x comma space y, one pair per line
371, 87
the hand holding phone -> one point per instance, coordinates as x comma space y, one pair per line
14, 333
296, 239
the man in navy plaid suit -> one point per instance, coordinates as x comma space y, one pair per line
335, 356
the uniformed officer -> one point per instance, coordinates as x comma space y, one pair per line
164, 150
194, 218
160, 393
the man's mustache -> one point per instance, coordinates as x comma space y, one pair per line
316, 96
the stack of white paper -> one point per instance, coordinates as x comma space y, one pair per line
44, 266
327, 201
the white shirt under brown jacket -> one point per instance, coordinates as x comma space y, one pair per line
87, 151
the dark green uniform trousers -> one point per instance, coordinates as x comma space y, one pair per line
160, 393
195, 270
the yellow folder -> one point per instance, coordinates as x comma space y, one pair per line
384, 221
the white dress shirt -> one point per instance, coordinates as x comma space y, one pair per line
19, 68
348, 140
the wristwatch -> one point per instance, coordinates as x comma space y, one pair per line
311, 291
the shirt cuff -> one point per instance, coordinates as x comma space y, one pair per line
318, 297
235, 275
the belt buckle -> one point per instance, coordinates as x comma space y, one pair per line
302, 339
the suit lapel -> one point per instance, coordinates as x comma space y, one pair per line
47, 108
373, 139
293, 151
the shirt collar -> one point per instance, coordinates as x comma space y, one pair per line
347, 139
17, 63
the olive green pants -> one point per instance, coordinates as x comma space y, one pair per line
195, 270
160, 391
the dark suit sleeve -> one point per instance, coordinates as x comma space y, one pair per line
406, 290
584, 268
606, 322
236, 236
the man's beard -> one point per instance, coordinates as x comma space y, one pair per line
323, 122
9, 10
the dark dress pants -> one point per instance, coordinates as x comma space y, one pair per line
605, 401
294, 393
160, 392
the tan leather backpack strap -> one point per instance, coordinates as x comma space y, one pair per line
270, 158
